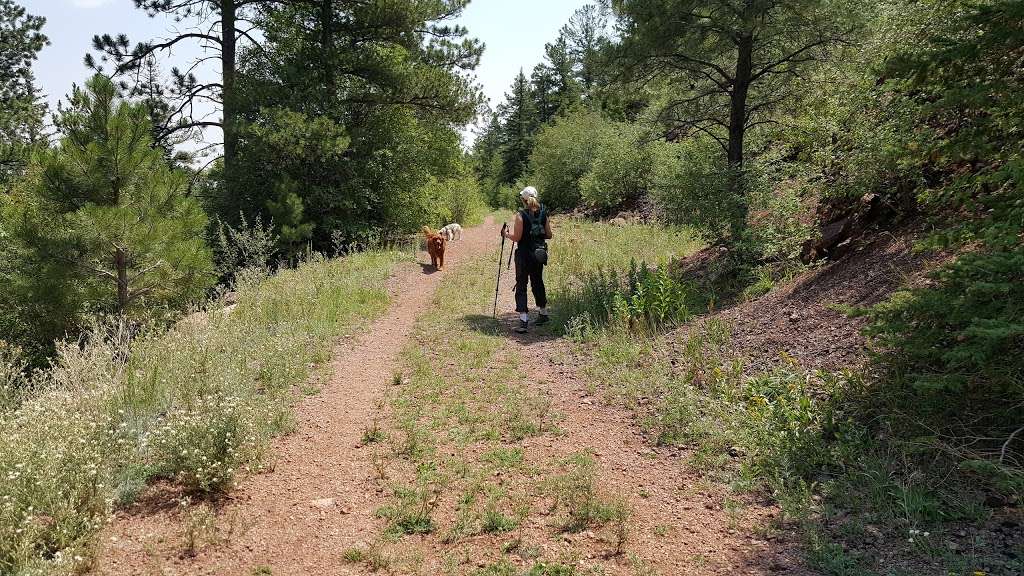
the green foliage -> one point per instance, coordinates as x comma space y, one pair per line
104, 224
623, 167
197, 404
692, 188
243, 247
563, 154
641, 298
21, 115
412, 511
456, 199
286, 210
519, 123
356, 105
951, 349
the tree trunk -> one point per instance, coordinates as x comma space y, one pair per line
738, 101
230, 116
327, 46
121, 267
738, 129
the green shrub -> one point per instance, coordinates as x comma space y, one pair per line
951, 351
456, 200
641, 298
563, 154
623, 169
246, 245
692, 188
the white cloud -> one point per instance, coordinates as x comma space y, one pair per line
90, 3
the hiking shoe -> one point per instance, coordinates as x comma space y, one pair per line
542, 319
521, 328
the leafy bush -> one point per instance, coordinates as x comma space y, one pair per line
952, 349
641, 298
196, 404
563, 154
456, 200
244, 246
692, 188
623, 169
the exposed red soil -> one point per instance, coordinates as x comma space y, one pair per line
804, 319
661, 491
316, 499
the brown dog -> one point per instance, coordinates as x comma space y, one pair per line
435, 247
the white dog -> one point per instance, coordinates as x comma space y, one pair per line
451, 232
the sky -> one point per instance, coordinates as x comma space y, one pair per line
514, 32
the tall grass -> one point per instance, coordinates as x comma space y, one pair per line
196, 404
602, 274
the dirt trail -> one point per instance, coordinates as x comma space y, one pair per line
320, 497
678, 523
317, 500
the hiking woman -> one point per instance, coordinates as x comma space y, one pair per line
531, 231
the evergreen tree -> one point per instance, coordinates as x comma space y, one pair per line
584, 38
220, 27
105, 222
730, 65
553, 81
519, 123
21, 109
355, 103
486, 157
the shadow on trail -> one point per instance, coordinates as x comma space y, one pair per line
428, 269
503, 326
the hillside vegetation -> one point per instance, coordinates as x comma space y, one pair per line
789, 137
196, 405
789, 241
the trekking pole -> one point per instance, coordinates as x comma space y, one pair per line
510, 253
501, 256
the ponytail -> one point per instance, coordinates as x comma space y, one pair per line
532, 204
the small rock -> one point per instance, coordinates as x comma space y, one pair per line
952, 545
323, 503
794, 317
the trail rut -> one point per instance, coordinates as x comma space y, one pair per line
316, 500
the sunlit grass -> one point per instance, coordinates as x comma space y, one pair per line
196, 404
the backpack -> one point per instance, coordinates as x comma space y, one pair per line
536, 234
535, 230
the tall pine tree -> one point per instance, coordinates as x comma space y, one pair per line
554, 83
519, 122
21, 111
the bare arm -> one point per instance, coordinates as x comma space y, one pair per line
547, 229
516, 233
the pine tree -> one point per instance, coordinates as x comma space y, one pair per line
519, 122
105, 222
554, 84
21, 108
584, 38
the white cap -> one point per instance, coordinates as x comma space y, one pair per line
528, 192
